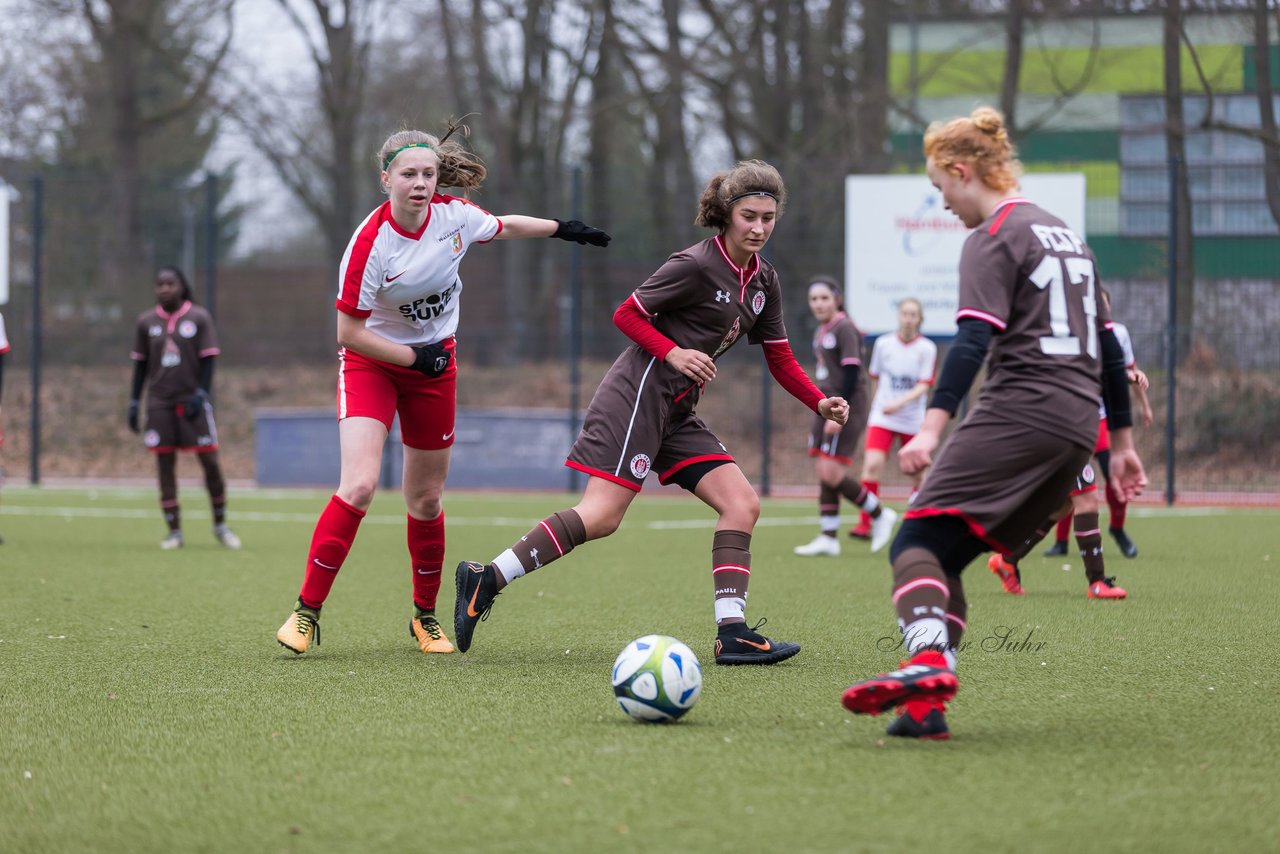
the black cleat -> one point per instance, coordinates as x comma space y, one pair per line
476, 586
737, 644
1127, 547
921, 720
1058, 549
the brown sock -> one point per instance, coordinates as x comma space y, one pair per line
1089, 539
730, 572
551, 539
860, 495
920, 595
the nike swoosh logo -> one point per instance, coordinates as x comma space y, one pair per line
447, 436
391, 279
471, 606
428, 572
317, 562
763, 647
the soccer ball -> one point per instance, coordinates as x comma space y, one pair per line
657, 679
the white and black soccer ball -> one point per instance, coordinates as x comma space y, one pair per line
657, 679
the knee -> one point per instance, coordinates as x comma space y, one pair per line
829, 473
598, 524
358, 494
424, 506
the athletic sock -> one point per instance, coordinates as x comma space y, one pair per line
219, 506
172, 514
1025, 549
1089, 539
334, 533
1063, 531
920, 596
873, 487
549, 540
731, 572
1119, 509
828, 510
861, 496
426, 559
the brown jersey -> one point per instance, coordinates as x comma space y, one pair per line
1032, 278
641, 417
836, 345
703, 301
172, 345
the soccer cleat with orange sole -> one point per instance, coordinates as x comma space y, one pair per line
925, 678
426, 630
299, 629
1008, 574
1106, 589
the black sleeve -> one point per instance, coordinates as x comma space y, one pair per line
1115, 381
973, 338
850, 381
206, 374
139, 379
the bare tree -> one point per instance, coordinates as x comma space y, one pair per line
137, 40
316, 152
1175, 137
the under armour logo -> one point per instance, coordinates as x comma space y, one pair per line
722, 296
533, 554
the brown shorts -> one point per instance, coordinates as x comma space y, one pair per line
1002, 478
168, 431
842, 446
625, 436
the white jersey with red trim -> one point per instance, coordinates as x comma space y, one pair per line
407, 284
900, 366
4, 339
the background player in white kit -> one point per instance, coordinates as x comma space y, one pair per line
903, 366
397, 313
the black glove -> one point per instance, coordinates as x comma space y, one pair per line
580, 233
431, 359
133, 415
193, 408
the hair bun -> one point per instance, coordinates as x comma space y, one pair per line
989, 121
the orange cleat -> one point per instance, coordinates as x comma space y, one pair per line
1106, 589
1008, 574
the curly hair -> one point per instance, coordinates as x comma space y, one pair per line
981, 140
747, 177
459, 167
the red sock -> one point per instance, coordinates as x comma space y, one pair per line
334, 534
426, 558
1118, 508
1063, 530
864, 518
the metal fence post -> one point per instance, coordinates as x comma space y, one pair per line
575, 323
211, 244
1171, 354
37, 321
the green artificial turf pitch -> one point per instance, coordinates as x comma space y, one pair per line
145, 705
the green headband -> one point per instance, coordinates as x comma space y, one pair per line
386, 161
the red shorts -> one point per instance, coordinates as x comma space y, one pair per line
1104, 438
372, 388
881, 439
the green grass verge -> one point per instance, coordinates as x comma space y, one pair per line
146, 706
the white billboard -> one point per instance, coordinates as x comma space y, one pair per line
901, 242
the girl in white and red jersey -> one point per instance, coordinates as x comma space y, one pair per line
398, 290
902, 366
